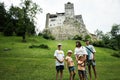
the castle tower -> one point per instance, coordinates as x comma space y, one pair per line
69, 10
47, 20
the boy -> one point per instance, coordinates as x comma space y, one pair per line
70, 65
91, 59
81, 67
59, 56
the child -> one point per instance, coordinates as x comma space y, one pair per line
81, 67
70, 65
59, 56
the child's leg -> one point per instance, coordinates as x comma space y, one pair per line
89, 69
71, 75
57, 72
94, 69
74, 74
61, 74
84, 75
80, 76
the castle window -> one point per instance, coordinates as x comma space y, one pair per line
52, 19
50, 24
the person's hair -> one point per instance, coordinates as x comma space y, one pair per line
89, 41
80, 57
79, 44
69, 52
86, 40
59, 45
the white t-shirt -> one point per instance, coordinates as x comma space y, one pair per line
90, 54
80, 51
59, 54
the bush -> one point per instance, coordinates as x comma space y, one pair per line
87, 37
48, 36
8, 30
43, 46
117, 54
40, 34
77, 37
99, 44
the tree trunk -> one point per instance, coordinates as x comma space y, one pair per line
24, 37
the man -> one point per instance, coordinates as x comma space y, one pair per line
91, 59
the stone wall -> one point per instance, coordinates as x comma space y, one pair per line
70, 28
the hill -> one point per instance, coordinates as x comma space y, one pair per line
19, 62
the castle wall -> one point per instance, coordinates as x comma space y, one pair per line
56, 21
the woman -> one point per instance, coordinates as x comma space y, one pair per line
80, 50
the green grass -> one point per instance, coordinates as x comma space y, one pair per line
23, 63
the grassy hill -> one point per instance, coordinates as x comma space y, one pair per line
24, 63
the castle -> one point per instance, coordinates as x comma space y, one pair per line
66, 25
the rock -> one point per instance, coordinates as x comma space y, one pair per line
7, 49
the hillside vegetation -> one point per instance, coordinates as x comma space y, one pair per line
19, 62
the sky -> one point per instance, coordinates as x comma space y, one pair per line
97, 14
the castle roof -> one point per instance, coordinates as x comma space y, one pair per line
60, 13
55, 15
69, 3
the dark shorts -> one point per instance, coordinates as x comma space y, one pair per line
72, 68
82, 72
59, 68
91, 62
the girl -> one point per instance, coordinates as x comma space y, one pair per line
70, 65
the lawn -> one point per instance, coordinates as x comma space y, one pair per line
24, 63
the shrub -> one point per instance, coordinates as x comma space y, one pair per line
40, 34
87, 37
99, 44
117, 54
48, 36
77, 37
43, 46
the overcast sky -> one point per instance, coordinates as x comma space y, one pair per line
97, 14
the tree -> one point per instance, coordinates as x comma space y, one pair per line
3, 15
15, 18
99, 34
106, 39
110, 39
30, 10
115, 31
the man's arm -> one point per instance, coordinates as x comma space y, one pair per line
93, 55
93, 52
